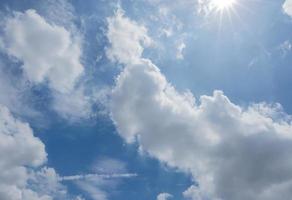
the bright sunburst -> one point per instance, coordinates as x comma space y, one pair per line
221, 5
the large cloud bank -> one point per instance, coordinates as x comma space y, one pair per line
233, 153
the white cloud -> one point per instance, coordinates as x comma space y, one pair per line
287, 7
179, 52
21, 156
46, 182
193, 192
19, 149
48, 52
164, 196
126, 38
233, 153
90, 176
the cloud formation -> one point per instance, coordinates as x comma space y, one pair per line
233, 153
287, 7
164, 196
22, 156
24, 151
48, 52
126, 38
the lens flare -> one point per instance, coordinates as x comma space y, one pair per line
222, 4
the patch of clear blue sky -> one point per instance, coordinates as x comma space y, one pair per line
244, 61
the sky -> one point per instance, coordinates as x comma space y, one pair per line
145, 99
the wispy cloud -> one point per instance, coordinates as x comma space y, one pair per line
90, 176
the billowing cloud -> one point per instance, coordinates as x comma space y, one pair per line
21, 156
18, 149
48, 52
126, 38
233, 153
287, 7
193, 192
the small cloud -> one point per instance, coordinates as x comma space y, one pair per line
164, 196
285, 47
287, 7
180, 48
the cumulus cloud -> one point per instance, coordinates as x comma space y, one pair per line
49, 54
164, 196
18, 149
233, 153
21, 158
47, 51
126, 38
287, 7
193, 192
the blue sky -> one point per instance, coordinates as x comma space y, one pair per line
152, 99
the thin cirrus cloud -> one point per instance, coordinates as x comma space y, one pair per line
90, 176
108, 174
232, 152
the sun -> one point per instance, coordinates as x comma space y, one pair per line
221, 5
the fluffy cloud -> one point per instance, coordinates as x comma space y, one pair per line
233, 153
48, 52
193, 192
287, 7
18, 149
126, 38
164, 196
21, 156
